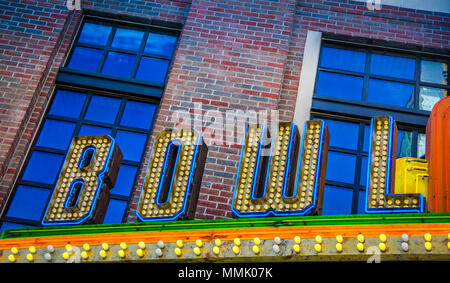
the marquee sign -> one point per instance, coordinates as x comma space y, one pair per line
81, 194
174, 175
283, 182
286, 181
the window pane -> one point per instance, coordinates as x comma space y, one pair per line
342, 134
363, 176
28, 203
429, 96
421, 143
361, 202
337, 201
392, 66
338, 85
115, 211
391, 93
341, 167
94, 34
127, 39
86, 59
125, 180
404, 143
151, 69
366, 138
67, 103
118, 64
160, 44
434, 72
131, 144
88, 130
56, 134
103, 109
43, 167
343, 59
138, 115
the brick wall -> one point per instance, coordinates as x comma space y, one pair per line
242, 55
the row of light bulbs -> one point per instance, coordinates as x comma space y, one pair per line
178, 250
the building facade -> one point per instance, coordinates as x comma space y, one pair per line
131, 69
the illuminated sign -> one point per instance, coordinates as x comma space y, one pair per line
438, 156
174, 175
282, 182
81, 194
411, 176
381, 172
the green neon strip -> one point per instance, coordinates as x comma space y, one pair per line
223, 224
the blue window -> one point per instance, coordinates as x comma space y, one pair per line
127, 39
354, 84
339, 85
160, 44
392, 66
391, 93
86, 59
128, 53
94, 115
97, 34
343, 59
118, 64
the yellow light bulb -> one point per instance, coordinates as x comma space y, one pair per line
360, 238
217, 242
105, 246
339, 247
199, 243
255, 249
140, 252
197, 251
14, 250
121, 253
257, 241
427, 237
177, 251
86, 247
360, 247
237, 242
141, 245
30, 257
11, 258
66, 255
32, 249
339, 238
428, 246
123, 245
297, 239
84, 255
102, 253
318, 247
68, 248
296, 248
319, 239
382, 247
180, 243
382, 238
448, 245
236, 249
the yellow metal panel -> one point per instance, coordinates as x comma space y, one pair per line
411, 176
